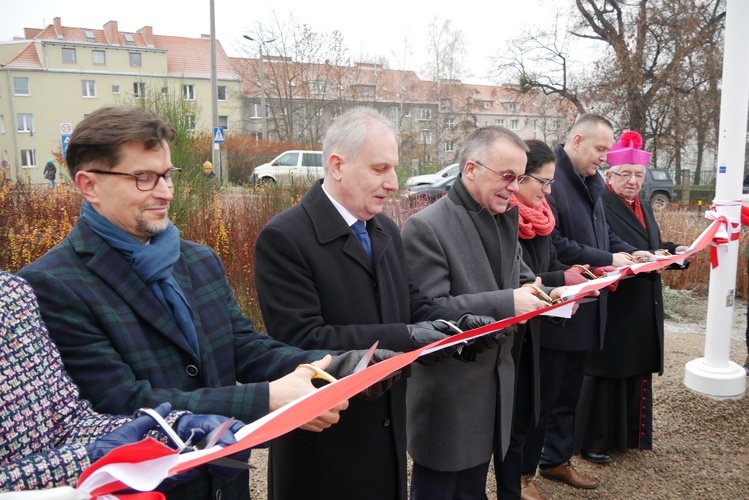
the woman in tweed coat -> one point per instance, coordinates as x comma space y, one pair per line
44, 425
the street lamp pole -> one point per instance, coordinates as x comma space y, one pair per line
262, 84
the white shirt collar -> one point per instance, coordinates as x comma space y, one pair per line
350, 219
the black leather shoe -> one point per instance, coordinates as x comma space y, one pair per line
597, 457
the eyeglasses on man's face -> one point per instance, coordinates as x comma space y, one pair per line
147, 180
626, 176
544, 183
509, 178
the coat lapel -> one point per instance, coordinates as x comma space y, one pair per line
113, 269
329, 226
619, 207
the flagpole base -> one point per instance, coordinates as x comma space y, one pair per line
728, 382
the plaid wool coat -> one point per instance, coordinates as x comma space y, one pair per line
125, 351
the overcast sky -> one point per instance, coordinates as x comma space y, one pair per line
371, 29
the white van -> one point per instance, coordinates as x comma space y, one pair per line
290, 168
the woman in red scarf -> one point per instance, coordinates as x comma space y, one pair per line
536, 221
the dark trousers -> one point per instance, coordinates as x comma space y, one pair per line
467, 484
550, 443
507, 471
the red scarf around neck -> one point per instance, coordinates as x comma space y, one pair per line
533, 221
635, 206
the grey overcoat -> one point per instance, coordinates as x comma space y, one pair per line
456, 410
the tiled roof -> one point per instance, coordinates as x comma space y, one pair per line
27, 58
186, 57
191, 57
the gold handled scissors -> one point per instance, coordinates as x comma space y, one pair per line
586, 272
318, 372
542, 295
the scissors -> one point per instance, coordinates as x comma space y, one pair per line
542, 295
586, 272
318, 372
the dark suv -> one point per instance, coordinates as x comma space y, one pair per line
657, 188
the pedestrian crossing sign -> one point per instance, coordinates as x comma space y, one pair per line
218, 134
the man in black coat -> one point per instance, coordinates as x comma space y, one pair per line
616, 404
319, 286
581, 236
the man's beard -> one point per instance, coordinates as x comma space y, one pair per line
151, 229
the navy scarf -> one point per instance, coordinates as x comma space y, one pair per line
153, 263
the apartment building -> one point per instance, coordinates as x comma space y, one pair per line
431, 118
53, 77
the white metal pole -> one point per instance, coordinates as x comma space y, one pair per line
714, 374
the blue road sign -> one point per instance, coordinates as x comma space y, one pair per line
65, 140
218, 134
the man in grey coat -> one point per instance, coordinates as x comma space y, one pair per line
463, 251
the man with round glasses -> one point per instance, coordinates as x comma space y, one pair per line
141, 316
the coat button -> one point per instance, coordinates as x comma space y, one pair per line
192, 370
219, 494
386, 423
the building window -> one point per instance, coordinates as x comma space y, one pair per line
115, 89
135, 59
407, 113
367, 89
190, 122
25, 122
129, 38
394, 114
68, 55
223, 122
425, 114
450, 123
21, 86
89, 34
499, 122
317, 87
188, 92
164, 90
99, 56
487, 104
426, 136
449, 146
139, 90
514, 124
255, 110
88, 88
28, 158
554, 124
445, 103
221, 91
2, 124
512, 106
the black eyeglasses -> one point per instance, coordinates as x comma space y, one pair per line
544, 184
627, 176
509, 178
147, 181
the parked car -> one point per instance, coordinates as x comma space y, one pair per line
290, 167
658, 188
419, 180
424, 194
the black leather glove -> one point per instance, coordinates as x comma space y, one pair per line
471, 321
426, 332
343, 364
131, 432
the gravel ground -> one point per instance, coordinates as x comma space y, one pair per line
700, 445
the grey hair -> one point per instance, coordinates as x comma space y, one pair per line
480, 140
347, 133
